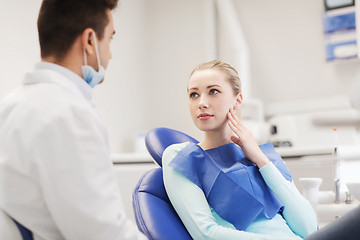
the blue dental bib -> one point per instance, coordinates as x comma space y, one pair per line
231, 183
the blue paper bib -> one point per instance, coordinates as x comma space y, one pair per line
231, 183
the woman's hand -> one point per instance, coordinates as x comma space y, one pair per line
246, 140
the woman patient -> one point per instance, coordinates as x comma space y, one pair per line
228, 187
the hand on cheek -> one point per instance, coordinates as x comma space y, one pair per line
245, 139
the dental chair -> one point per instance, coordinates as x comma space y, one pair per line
154, 214
11, 229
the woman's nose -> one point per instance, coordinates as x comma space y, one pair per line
203, 103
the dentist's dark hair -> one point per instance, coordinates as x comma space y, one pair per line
60, 22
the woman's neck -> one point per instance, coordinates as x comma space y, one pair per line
214, 139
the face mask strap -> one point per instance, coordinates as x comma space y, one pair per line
85, 57
97, 51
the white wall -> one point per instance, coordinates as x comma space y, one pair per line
120, 98
157, 45
159, 42
19, 48
287, 51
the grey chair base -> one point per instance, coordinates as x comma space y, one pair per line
345, 228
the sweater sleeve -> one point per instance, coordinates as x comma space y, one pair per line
298, 212
193, 209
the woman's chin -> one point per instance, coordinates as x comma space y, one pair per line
208, 128
204, 128
212, 127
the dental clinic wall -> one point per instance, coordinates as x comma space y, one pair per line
288, 54
19, 48
159, 42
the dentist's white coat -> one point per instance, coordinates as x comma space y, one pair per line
56, 176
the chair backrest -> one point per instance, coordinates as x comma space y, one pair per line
12, 230
25, 233
158, 139
154, 214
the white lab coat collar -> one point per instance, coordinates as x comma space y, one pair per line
50, 72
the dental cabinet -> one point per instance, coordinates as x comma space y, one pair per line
319, 138
129, 168
325, 167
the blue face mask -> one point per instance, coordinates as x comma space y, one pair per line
91, 76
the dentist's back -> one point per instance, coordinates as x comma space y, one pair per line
56, 177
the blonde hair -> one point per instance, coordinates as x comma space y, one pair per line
231, 74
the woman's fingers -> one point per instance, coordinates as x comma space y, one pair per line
237, 125
233, 120
234, 115
233, 127
236, 120
246, 140
243, 135
236, 140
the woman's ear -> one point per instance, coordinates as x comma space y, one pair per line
239, 99
87, 40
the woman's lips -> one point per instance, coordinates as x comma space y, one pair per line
205, 116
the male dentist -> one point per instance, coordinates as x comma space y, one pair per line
56, 177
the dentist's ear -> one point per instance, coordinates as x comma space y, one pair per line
87, 39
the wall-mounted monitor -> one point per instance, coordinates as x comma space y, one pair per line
334, 4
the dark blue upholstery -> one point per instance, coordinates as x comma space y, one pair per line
25, 233
154, 214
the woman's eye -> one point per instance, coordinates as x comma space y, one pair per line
213, 91
193, 95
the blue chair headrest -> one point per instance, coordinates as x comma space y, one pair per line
158, 139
